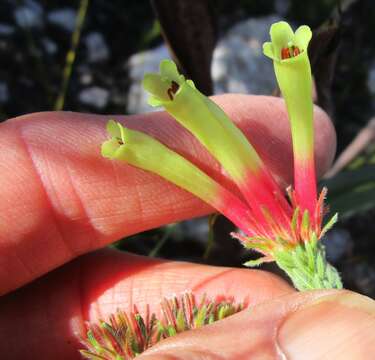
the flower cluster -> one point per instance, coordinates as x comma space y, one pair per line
126, 335
283, 229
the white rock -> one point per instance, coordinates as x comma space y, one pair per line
282, 6
337, 242
64, 18
139, 64
371, 79
6, 29
238, 64
4, 92
86, 78
49, 45
94, 96
97, 48
29, 15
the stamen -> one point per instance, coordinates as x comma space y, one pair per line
119, 140
289, 52
172, 90
296, 51
285, 53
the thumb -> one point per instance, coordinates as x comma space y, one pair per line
312, 325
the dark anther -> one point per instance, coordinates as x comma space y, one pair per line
296, 51
287, 53
172, 90
120, 141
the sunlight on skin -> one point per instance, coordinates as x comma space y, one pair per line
73, 200
60, 198
306, 325
97, 284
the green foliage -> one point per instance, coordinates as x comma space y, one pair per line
352, 191
307, 266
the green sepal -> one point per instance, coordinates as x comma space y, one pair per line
180, 321
199, 319
307, 267
257, 262
332, 221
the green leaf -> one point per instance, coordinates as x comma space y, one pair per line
353, 202
255, 263
347, 181
332, 221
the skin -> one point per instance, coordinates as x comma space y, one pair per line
61, 202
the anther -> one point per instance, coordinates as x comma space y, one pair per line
289, 52
172, 90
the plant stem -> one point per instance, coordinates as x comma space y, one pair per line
71, 54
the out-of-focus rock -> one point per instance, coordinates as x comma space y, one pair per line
196, 229
29, 14
338, 243
282, 7
94, 96
362, 276
371, 80
97, 48
4, 93
238, 61
64, 18
86, 78
49, 46
139, 64
6, 29
238, 64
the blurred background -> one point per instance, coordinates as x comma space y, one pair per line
90, 56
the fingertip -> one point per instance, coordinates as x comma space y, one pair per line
310, 325
338, 326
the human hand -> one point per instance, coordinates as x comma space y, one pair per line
60, 199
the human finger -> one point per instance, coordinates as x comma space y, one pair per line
45, 319
60, 198
314, 325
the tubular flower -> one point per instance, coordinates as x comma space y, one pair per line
288, 51
283, 230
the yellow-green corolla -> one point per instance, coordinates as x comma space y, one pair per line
283, 231
288, 50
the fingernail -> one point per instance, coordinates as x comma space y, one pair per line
340, 326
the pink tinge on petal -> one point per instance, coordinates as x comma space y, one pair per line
236, 211
262, 192
305, 185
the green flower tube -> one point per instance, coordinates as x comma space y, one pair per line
285, 232
143, 151
288, 50
212, 127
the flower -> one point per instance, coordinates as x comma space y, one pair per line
128, 334
143, 151
288, 51
283, 231
218, 134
